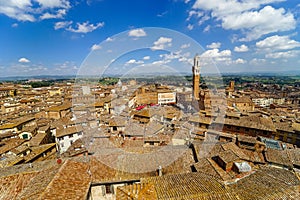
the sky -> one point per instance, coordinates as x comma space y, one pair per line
69, 37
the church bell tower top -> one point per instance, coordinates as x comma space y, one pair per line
196, 67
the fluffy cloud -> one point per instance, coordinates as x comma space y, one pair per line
215, 53
14, 25
258, 61
95, 47
252, 18
242, 48
162, 43
190, 27
67, 67
23, 60
133, 61
240, 61
214, 45
84, 27
59, 25
286, 54
259, 23
30, 10
109, 39
184, 46
54, 3
137, 33
277, 43
192, 13
59, 14
146, 58
206, 29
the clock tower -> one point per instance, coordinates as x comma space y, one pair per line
196, 76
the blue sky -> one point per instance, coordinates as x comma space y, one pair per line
57, 37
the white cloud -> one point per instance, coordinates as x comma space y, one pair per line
161, 62
23, 60
277, 43
196, 13
109, 39
146, 58
249, 16
240, 61
162, 43
162, 14
190, 27
259, 23
30, 10
85, 27
242, 48
206, 29
60, 25
17, 10
217, 56
203, 19
257, 61
54, 3
185, 46
95, 47
133, 61
286, 54
137, 33
68, 67
214, 45
213, 53
14, 25
60, 14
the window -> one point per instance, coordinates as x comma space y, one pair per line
265, 133
108, 189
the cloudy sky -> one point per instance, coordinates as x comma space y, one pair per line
58, 37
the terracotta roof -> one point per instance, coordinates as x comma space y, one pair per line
279, 157
117, 121
294, 156
228, 156
134, 129
268, 184
255, 157
189, 186
248, 139
71, 182
236, 150
65, 106
68, 131
284, 126
10, 144
210, 167
76, 148
37, 151
253, 122
37, 139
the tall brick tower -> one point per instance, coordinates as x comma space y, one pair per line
196, 76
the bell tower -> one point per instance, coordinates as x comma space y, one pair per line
196, 76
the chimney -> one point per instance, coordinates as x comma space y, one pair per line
159, 170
